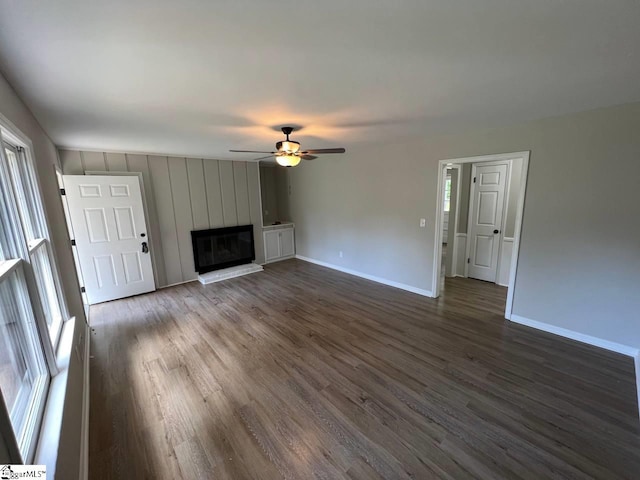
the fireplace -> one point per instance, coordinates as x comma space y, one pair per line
219, 248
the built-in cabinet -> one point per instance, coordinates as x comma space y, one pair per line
279, 242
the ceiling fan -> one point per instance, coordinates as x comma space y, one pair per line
288, 153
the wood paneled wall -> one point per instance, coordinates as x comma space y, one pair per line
182, 194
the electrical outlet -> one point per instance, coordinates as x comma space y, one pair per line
423, 222
340, 254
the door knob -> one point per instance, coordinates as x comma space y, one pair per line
145, 247
496, 231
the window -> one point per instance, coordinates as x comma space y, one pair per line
447, 194
31, 305
35, 232
23, 371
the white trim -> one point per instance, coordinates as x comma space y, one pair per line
49, 438
84, 445
516, 235
8, 266
636, 361
502, 263
437, 253
577, 336
33, 247
456, 214
373, 278
456, 253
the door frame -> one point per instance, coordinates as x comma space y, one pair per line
437, 249
505, 201
450, 247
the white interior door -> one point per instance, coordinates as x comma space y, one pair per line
110, 231
487, 208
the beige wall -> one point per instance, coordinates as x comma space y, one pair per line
282, 193
268, 194
46, 159
182, 194
576, 270
274, 188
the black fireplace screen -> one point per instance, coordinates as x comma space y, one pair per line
222, 247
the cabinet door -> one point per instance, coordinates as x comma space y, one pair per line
271, 245
287, 245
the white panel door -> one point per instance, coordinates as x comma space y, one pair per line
111, 236
486, 220
287, 245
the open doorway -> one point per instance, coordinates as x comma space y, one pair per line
478, 222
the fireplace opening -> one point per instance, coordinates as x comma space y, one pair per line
219, 248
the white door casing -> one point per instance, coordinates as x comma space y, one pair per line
485, 220
110, 230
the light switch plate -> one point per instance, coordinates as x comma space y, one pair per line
423, 222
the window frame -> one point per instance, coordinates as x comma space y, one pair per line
9, 139
22, 445
18, 258
447, 194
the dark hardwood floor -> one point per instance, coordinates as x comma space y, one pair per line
301, 372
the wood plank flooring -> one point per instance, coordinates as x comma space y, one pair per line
301, 372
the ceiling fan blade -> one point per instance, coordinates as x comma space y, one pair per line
250, 151
308, 157
262, 158
323, 150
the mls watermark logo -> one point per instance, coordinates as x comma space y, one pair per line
9, 472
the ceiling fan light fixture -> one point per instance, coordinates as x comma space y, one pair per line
287, 146
290, 147
288, 160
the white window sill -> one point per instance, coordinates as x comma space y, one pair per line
49, 441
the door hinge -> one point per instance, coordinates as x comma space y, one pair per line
468, 260
474, 179
82, 289
73, 243
63, 191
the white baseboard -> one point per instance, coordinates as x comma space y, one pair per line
391, 283
580, 337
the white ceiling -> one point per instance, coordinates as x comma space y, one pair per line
200, 77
